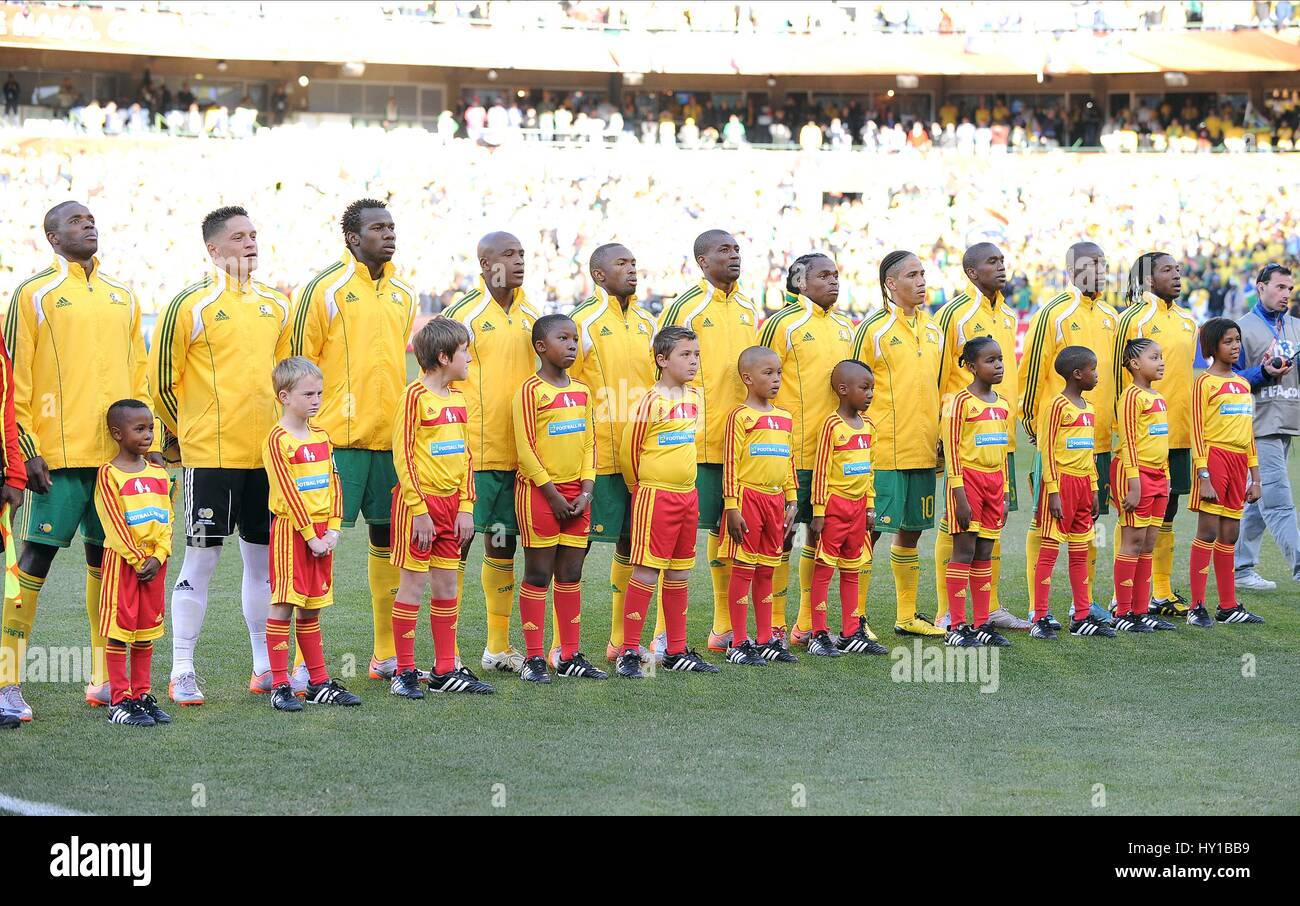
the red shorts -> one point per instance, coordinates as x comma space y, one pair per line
986, 492
764, 515
444, 553
297, 576
1075, 524
538, 526
663, 528
1153, 502
843, 542
1228, 474
130, 610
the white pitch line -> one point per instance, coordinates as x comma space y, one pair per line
40, 809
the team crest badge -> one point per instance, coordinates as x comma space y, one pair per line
265, 310
744, 319
396, 297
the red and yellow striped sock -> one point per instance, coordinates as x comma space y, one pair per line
675, 601
443, 613
981, 590
1224, 579
738, 586
568, 612
532, 617
1199, 571
1125, 569
307, 632
119, 682
277, 650
635, 610
141, 664
404, 618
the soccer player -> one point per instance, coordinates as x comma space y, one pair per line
212, 349
353, 320
658, 457
616, 363
1067, 493
978, 310
433, 506
500, 322
977, 422
903, 347
726, 322
758, 494
1223, 437
306, 511
132, 500
1154, 286
556, 445
11, 497
809, 337
1075, 317
71, 312
843, 506
1139, 484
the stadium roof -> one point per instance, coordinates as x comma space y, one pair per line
171, 34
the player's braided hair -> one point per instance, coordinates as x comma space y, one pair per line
351, 220
887, 267
1138, 275
1133, 349
971, 350
796, 279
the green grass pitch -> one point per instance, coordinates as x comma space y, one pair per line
1166, 723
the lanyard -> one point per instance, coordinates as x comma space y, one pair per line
1280, 331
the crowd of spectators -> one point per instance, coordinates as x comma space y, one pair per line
767, 16
1220, 219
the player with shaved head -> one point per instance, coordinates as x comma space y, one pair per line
500, 321
1077, 316
70, 312
979, 310
615, 360
726, 322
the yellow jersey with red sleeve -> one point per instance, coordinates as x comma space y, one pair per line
1223, 415
1174, 329
554, 435
1143, 432
431, 447
616, 362
304, 487
972, 314
502, 358
1065, 433
758, 448
727, 325
658, 448
843, 464
976, 436
136, 512
904, 353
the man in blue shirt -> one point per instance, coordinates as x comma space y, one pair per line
1270, 343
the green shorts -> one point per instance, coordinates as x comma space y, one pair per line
905, 500
1011, 483
368, 479
708, 484
53, 517
611, 509
1103, 483
1102, 461
494, 506
1180, 472
803, 502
